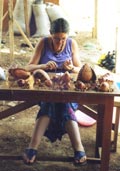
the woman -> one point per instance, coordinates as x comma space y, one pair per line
54, 53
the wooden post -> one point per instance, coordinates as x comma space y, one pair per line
95, 28
1, 15
11, 34
23, 34
26, 24
117, 49
26, 18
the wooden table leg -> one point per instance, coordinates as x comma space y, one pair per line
106, 133
99, 133
115, 129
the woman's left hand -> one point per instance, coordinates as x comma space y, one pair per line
68, 65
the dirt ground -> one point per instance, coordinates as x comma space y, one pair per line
15, 131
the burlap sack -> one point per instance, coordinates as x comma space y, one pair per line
41, 20
55, 12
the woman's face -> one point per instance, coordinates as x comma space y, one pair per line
59, 40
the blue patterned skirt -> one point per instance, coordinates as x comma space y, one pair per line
59, 113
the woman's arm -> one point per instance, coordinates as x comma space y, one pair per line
74, 64
34, 61
75, 57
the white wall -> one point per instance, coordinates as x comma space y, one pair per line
109, 27
81, 13
107, 24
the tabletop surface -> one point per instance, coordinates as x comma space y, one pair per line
10, 87
4, 88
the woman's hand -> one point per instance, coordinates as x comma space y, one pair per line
68, 65
51, 65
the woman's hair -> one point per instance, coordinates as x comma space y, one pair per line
59, 25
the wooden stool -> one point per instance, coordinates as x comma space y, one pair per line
115, 125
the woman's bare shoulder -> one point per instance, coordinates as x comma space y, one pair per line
42, 41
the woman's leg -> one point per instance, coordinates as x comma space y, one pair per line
74, 135
39, 130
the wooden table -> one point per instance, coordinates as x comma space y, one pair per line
104, 101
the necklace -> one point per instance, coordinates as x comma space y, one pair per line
56, 52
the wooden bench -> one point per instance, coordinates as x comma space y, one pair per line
115, 125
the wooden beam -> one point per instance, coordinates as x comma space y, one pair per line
117, 49
1, 15
95, 28
4, 16
11, 30
26, 18
90, 160
23, 34
18, 108
52, 1
11, 34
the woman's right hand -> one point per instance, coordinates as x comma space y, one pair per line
51, 65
